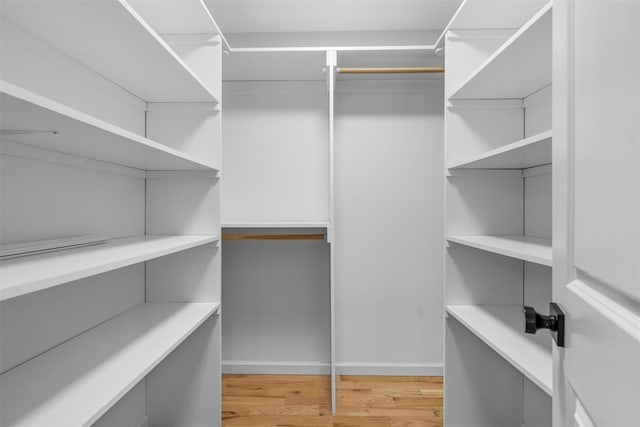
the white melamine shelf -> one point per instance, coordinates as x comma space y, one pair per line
275, 224
112, 39
526, 153
31, 119
527, 248
501, 327
76, 382
520, 67
33, 273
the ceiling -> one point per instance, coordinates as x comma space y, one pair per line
283, 16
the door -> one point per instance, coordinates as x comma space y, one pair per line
596, 167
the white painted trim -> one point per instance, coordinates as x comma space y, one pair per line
390, 369
332, 62
427, 48
618, 308
275, 368
14, 149
144, 422
537, 170
204, 174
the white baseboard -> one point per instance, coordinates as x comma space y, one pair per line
323, 368
275, 368
390, 369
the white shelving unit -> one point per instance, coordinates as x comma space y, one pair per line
526, 153
33, 273
521, 66
498, 213
500, 328
526, 248
115, 356
31, 119
110, 128
134, 57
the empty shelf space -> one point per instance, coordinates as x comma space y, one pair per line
112, 39
521, 66
32, 273
62, 388
526, 153
501, 328
34, 120
527, 248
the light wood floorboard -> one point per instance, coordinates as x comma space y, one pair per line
305, 401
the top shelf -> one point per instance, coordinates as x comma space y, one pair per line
112, 39
179, 17
521, 66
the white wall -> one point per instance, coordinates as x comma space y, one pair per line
275, 152
389, 226
276, 306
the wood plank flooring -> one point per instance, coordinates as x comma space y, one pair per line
305, 401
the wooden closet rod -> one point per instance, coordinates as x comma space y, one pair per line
249, 236
395, 70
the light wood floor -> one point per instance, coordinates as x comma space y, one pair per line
302, 400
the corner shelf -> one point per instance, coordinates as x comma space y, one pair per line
33, 273
523, 154
60, 388
533, 249
83, 135
500, 328
133, 56
521, 66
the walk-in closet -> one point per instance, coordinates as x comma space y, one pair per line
372, 213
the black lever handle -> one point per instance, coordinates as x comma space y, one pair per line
554, 322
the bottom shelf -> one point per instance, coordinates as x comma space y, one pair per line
500, 327
76, 382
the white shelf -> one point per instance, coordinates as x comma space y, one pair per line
29, 274
76, 382
113, 40
275, 224
82, 135
527, 248
521, 66
526, 153
178, 17
501, 327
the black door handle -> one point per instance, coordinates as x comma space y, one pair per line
554, 322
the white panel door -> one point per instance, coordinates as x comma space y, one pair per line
597, 211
